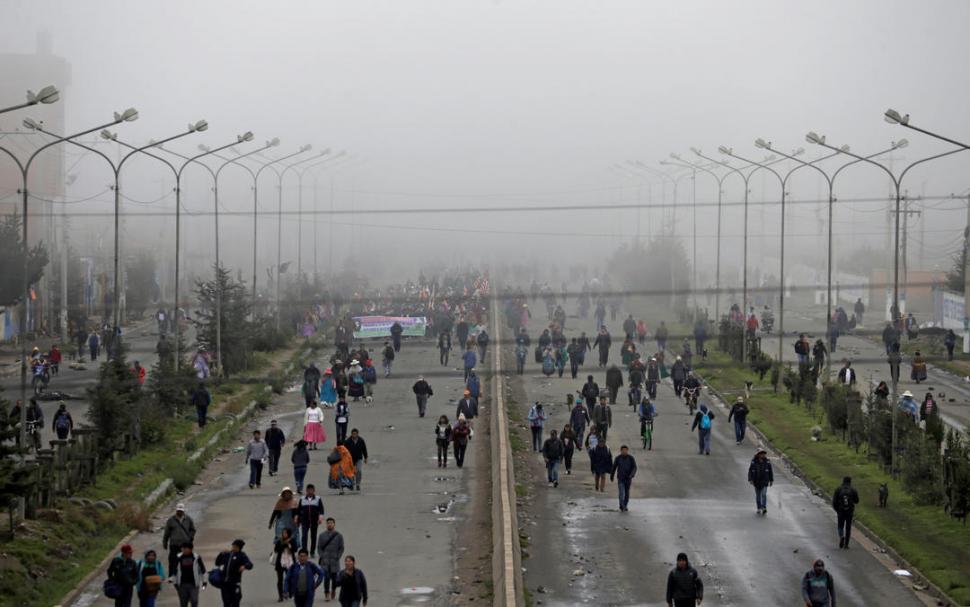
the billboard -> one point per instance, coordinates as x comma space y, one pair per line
380, 326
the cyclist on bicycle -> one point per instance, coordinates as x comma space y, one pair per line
647, 412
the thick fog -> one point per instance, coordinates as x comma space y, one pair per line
473, 105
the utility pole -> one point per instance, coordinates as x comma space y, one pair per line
966, 282
906, 212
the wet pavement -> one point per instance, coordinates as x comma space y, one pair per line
402, 526
583, 550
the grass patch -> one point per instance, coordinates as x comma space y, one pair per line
521, 490
929, 539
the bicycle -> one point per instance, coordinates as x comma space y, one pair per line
646, 433
690, 396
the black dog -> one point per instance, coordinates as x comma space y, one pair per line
883, 495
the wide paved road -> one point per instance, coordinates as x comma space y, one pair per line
405, 527
582, 550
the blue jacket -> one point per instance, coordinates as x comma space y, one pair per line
141, 566
474, 386
470, 358
314, 579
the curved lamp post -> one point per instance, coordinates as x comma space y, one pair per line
48, 94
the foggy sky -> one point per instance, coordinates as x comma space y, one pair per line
453, 104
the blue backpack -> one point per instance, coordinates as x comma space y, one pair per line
705, 422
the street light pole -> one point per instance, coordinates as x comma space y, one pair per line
299, 212
128, 115
48, 94
279, 224
813, 137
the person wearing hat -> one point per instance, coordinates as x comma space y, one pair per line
179, 529
843, 502
275, 439
355, 387
818, 589
123, 574
284, 515
684, 586
907, 404
328, 389
422, 391
63, 422
739, 412
233, 562
761, 476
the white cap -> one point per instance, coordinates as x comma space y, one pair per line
180, 507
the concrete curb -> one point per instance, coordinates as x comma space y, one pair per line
507, 580
97, 571
931, 588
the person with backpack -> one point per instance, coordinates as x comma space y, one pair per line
122, 578
231, 564
843, 502
702, 422
590, 392
179, 530
761, 476
188, 576
537, 420
818, 588
388, 359
684, 586
552, 452
331, 548
201, 399
63, 422
150, 576
739, 412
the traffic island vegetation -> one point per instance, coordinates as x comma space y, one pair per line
822, 434
48, 556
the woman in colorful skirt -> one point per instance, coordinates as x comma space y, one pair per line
313, 426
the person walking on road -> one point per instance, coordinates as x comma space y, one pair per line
422, 391
465, 406
313, 432
590, 392
460, 435
233, 562
614, 381
469, 359
275, 439
341, 418
302, 580
94, 345
353, 584
442, 434
311, 383
179, 530
331, 548
703, 420
284, 515
201, 399
256, 455
624, 469
482, 344
552, 452
568, 439
684, 586
284, 556
603, 343
396, 331
341, 468
847, 375
678, 375
63, 423
123, 573
601, 462
189, 576
358, 453
387, 359
818, 588
578, 420
843, 502
660, 335
895, 359
739, 412
308, 517
301, 461
602, 418
537, 420
761, 477
950, 341
444, 347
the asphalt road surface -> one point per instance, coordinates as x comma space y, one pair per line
406, 525
582, 550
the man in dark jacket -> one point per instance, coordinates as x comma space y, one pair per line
552, 453
843, 502
422, 390
578, 419
652, 377
358, 452
630, 328
603, 342
761, 477
311, 383
233, 562
179, 530
396, 331
703, 420
308, 515
818, 589
590, 391
275, 439
614, 379
847, 374
123, 571
461, 332
739, 412
602, 418
201, 399
678, 375
684, 586
302, 579
624, 468
482, 340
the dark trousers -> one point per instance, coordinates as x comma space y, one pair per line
443, 357
312, 531
201, 413
614, 390
329, 579
274, 460
231, 595
299, 474
255, 472
574, 367
949, 352
845, 525
341, 431
173, 557
739, 428
536, 438
127, 593
397, 342
280, 572
460, 454
567, 457
623, 485
302, 600
652, 389
604, 356
685, 602
442, 452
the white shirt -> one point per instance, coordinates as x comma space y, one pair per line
313, 415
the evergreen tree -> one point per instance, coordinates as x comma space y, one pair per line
115, 403
15, 479
12, 261
236, 327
